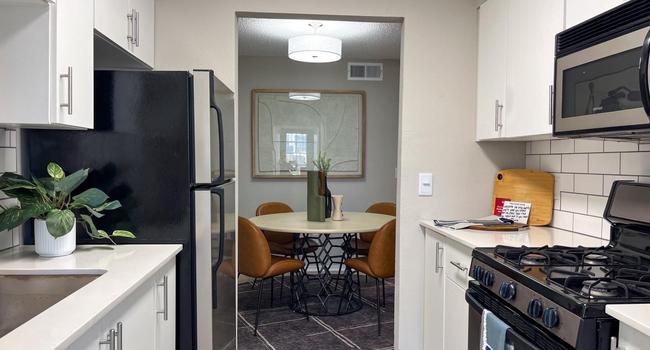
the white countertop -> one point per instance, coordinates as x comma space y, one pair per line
124, 268
534, 236
636, 316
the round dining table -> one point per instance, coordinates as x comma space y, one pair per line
324, 287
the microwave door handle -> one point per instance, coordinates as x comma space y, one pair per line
643, 74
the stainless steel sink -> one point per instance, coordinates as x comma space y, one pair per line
25, 296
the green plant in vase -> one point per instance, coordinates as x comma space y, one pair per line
322, 164
49, 201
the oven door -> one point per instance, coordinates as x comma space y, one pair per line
535, 338
604, 87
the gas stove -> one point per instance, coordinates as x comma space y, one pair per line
562, 291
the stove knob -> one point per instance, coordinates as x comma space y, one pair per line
488, 279
507, 290
550, 317
477, 273
535, 308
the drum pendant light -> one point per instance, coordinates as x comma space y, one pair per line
315, 48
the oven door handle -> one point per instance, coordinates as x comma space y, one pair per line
473, 303
643, 74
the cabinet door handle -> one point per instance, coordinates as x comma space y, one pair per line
551, 95
110, 340
438, 250
497, 115
136, 28
119, 334
458, 266
131, 29
165, 285
69, 77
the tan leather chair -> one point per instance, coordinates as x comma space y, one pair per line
380, 262
256, 261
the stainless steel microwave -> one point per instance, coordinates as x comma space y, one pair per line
601, 75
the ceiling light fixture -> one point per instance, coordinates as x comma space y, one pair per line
304, 96
315, 48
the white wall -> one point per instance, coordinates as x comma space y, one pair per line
382, 116
584, 171
437, 110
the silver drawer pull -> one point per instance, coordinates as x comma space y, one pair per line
69, 103
119, 334
165, 285
438, 256
458, 266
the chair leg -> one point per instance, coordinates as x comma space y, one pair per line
259, 302
254, 281
383, 291
378, 308
281, 285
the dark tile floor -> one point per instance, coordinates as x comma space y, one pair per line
281, 329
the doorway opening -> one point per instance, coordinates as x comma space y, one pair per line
314, 91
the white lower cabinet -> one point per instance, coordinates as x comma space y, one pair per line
456, 316
446, 311
631, 339
145, 320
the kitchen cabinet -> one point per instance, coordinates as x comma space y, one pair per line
46, 52
434, 291
456, 316
446, 311
145, 320
515, 73
630, 338
578, 11
129, 26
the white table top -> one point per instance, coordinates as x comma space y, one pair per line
353, 222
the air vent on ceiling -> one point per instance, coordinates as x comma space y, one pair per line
365, 71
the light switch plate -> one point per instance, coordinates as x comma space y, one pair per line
425, 184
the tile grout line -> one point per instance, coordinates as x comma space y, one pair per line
266, 342
343, 338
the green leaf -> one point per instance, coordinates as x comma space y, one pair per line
14, 217
90, 226
91, 197
59, 222
94, 212
11, 181
123, 233
112, 205
72, 181
55, 171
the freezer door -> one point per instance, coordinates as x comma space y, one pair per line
214, 131
216, 275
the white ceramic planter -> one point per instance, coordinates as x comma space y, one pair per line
49, 247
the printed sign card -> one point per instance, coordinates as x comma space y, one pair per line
516, 211
498, 205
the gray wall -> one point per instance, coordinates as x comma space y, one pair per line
382, 117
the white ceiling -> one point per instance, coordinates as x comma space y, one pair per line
365, 40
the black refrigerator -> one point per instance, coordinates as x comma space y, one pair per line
163, 144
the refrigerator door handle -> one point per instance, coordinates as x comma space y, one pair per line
222, 228
222, 176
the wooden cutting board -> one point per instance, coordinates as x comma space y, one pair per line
530, 186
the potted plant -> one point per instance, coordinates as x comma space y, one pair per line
49, 201
323, 164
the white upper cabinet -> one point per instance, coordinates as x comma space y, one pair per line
531, 66
578, 11
129, 25
46, 52
491, 88
515, 67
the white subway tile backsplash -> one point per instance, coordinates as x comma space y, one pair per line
596, 205
588, 225
587, 146
604, 163
5, 138
563, 220
609, 179
644, 179
605, 234
644, 147
586, 241
562, 146
575, 163
8, 162
636, 163
533, 162
563, 183
617, 146
573, 202
540, 147
551, 162
590, 184
529, 147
